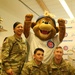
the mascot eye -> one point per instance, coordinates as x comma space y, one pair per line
43, 21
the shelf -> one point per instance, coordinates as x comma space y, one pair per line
1, 27
2, 30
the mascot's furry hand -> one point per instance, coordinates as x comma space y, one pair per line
28, 17
61, 22
61, 28
27, 24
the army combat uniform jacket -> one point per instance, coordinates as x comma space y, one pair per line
14, 52
31, 68
62, 69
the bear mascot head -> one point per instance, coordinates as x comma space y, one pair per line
45, 34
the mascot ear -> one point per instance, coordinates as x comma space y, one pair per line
57, 29
33, 24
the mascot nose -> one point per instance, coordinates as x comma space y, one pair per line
46, 22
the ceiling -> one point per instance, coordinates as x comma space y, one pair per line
20, 8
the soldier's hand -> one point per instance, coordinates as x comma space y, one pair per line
9, 72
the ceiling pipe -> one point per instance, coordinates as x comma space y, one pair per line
28, 7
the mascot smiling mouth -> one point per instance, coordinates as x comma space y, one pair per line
44, 32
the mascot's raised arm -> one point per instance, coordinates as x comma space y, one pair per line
44, 34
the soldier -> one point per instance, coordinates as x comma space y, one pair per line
14, 52
59, 66
35, 67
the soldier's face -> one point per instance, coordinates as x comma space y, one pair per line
18, 29
39, 56
58, 53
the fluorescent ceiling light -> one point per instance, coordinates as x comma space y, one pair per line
65, 6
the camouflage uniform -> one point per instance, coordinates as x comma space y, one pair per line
14, 52
0, 68
31, 68
62, 69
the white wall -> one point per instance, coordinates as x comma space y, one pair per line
68, 43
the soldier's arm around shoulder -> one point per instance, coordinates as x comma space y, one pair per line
71, 69
49, 69
25, 69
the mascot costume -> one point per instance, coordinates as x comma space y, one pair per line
43, 34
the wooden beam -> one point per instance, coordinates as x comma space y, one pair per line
42, 5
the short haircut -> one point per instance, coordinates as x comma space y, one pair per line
59, 47
38, 49
16, 23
